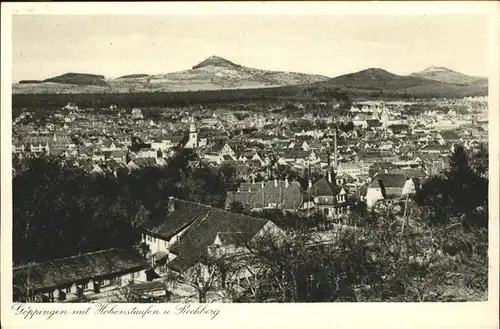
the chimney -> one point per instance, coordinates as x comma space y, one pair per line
253, 179
171, 206
310, 183
329, 175
275, 183
286, 182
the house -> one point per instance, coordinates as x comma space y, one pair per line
215, 229
350, 168
182, 239
435, 149
417, 173
227, 150
251, 156
97, 170
273, 194
137, 114
373, 124
387, 186
145, 162
146, 153
448, 136
70, 278
328, 197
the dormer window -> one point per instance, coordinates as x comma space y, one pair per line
341, 198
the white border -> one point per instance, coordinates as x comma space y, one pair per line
395, 315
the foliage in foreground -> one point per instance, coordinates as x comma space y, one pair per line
60, 211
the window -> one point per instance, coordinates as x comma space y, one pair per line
85, 286
67, 290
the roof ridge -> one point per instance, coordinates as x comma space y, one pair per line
218, 209
69, 257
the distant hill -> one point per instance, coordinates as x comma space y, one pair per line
213, 73
185, 98
81, 79
217, 74
376, 79
23, 82
218, 62
379, 82
443, 74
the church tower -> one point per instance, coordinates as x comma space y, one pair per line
193, 134
385, 118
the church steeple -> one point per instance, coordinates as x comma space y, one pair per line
192, 125
193, 134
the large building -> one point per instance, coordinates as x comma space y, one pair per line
77, 277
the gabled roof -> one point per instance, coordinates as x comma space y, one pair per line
435, 147
410, 172
231, 238
450, 135
145, 162
389, 180
349, 165
373, 123
206, 223
68, 270
260, 195
324, 188
183, 215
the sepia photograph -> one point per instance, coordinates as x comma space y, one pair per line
249, 159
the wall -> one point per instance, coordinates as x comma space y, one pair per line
155, 244
373, 194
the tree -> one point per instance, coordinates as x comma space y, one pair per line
461, 192
24, 289
209, 274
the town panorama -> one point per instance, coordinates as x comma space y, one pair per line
225, 183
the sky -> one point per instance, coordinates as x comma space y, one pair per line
49, 45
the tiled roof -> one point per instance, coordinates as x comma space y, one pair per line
207, 222
324, 188
373, 123
260, 195
231, 238
183, 215
410, 172
389, 180
64, 271
449, 134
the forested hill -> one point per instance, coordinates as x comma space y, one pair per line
165, 99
